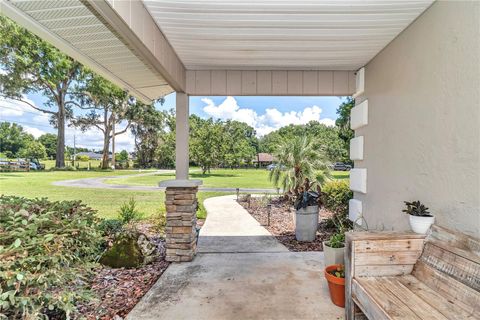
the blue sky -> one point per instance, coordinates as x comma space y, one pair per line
265, 114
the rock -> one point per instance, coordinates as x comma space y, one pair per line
124, 253
148, 249
130, 250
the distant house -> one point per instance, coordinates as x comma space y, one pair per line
92, 155
264, 159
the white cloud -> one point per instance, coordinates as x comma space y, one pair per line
93, 139
33, 131
271, 120
14, 108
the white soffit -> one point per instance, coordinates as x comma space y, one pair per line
75, 30
281, 34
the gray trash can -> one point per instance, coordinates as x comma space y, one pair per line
306, 223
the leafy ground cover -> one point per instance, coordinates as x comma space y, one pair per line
106, 201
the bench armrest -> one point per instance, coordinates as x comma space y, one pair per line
377, 254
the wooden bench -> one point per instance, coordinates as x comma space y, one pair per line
410, 276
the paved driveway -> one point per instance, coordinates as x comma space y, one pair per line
240, 272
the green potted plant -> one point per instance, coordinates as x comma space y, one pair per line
334, 248
419, 217
335, 275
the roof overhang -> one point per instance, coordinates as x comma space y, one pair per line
228, 47
79, 30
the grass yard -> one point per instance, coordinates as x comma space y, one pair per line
107, 202
219, 178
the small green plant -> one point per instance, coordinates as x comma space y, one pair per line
339, 272
416, 208
128, 211
337, 240
110, 227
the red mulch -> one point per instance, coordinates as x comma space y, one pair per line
119, 290
282, 223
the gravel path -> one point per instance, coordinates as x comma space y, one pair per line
99, 183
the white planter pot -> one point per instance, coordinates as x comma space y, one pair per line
306, 223
333, 255
420, 224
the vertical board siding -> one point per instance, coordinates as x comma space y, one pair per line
264, 82
270, 82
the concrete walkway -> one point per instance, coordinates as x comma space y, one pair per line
99, 183
240, 272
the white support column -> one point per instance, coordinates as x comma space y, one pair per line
182, 132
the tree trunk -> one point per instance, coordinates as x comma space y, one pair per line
106, 147
60, 157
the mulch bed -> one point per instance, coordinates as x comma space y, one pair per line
282, 223
119, 290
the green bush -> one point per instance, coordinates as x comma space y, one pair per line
47, 250
335, 196
110, 227
128, 211
83, 157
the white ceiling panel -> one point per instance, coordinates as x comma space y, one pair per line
281, 34
79, 29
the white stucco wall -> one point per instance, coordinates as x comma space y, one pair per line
422, 140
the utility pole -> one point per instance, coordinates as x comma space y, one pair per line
74, 149
113, 142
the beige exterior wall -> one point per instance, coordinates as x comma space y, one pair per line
422, 140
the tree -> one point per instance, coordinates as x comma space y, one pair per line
148, 125
240, 143
343, 120
49, 141
31, 65
206, 142
323, 138
108, 106
13, 139
298, 162
33, 150
122, 156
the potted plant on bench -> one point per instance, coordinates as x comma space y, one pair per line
419, 217
335, 275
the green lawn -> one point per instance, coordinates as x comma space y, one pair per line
219, 178
39, 184
107, 202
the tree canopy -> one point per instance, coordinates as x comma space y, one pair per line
31, 65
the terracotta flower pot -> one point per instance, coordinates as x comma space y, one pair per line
336, 286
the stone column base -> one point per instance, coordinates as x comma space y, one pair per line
181, 232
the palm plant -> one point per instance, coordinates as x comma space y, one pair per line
299, 164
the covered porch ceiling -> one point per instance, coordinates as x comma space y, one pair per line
153, 47
281, 34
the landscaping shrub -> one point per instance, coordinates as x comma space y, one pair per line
110, 227
47, 250
335, 197
128, 211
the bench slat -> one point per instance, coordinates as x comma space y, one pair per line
377, 302
389, 245
457, 267
386, 257
447, 286
383, 270
452, 309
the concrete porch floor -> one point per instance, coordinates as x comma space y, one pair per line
240, 272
